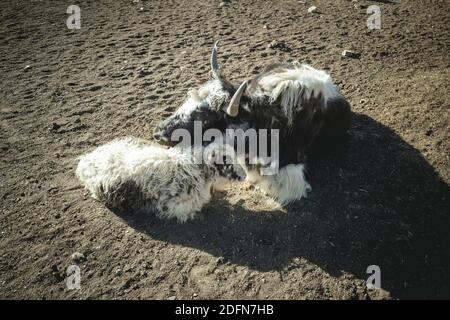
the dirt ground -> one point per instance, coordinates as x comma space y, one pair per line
383, 201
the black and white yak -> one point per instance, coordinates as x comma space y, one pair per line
300, 101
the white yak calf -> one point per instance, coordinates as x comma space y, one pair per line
133, 175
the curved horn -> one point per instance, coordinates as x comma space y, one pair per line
214, 64
233, 108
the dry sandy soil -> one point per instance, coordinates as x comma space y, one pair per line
383, 201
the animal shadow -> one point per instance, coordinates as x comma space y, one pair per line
377, 203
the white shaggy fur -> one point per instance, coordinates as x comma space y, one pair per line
212, 91
287, 186
295, 85
131, 174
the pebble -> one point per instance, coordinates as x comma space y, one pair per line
350, 54
27, 67
54, 126
126, 284
282, 46
171, 298
143, 72
127, 268
78, 257
312, 9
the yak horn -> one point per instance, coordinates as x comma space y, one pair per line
233, 107
214, 64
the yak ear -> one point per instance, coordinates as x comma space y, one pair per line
233, 108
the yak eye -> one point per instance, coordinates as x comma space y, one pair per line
204, 106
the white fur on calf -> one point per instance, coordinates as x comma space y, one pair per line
130, 174
287, 186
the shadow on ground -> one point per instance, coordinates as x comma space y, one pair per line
378, 203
